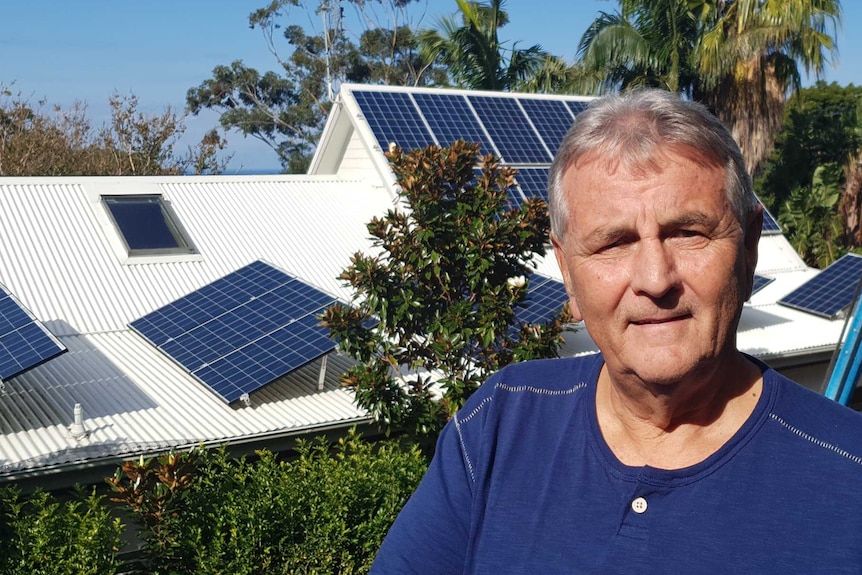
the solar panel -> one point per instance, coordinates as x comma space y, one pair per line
393, 118
551, 118
576, 107
450, 119
831, 291
533, 182
509, 130
760, 282
242, 331
770, 226
545, 298
24, 341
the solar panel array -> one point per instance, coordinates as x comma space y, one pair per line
523, 130
831, 291
24, 341
242, 331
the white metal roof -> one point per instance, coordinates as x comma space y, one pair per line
57, 259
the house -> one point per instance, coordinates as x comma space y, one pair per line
69, 257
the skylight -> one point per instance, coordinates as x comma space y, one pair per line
147, 225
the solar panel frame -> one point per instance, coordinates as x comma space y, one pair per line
260, 325
24, 341
510, 130
393, 118
830, 292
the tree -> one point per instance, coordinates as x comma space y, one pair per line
811, 220
649, 43
435, 307
287, 109
741, 58
749, 61
474, 55
819, 128
36, 140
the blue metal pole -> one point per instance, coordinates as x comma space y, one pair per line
845, 373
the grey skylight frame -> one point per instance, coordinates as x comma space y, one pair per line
184, 244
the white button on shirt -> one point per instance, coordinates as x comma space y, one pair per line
639, 505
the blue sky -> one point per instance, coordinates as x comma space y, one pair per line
66, 51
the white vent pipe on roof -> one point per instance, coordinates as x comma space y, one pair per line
77, 429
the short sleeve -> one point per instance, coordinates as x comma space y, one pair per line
430, 535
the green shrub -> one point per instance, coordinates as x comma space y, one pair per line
41, 535
326, 511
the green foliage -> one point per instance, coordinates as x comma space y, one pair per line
36, 140
40, 535
470, 49
442, 289
811, 220
326, 511
739, 58
820, 127
287, 109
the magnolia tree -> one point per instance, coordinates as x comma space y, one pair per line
435, 308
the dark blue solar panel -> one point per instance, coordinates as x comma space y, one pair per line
393, 118
533, 182
760, 282
551, 118
831, 291
545, 298
770, 226
509, 130
576, 107
24, 341
242, 331
450, 119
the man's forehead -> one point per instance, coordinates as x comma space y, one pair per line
642, 163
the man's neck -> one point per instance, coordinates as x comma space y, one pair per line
676, 425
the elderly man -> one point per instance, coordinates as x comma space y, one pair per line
670, 451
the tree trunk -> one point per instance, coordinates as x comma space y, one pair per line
851, 201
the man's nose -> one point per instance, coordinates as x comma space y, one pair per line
653, 270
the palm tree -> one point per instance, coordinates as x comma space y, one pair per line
739, 57
472, 52
647, 43
750, 57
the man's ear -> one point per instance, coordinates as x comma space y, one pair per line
560, 254
751, 240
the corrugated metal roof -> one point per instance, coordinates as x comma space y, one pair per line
57, 259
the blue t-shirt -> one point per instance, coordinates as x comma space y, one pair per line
523, 482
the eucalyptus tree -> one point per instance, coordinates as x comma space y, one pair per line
286, 107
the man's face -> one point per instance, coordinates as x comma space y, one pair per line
656, 264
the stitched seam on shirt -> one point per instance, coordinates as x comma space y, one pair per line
835, 449
540, 391
464, 445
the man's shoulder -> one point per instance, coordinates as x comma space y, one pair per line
546, 376
816, 419
536, 380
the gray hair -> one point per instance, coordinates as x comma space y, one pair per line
633, 128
